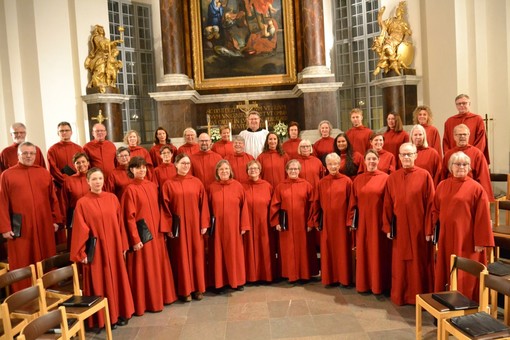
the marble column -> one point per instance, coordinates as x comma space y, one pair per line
313, 32
172, 36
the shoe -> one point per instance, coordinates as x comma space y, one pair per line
122, 321
186, 298
240, 288
198, 296
114, 326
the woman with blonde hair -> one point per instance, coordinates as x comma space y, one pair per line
423, 115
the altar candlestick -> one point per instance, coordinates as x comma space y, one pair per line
230, 129
267, 126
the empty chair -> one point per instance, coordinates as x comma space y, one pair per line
51, 284
17, 275
53, 262
53, 320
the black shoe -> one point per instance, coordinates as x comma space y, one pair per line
114, 326
122, 321
240, 288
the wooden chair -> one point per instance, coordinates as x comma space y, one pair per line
53, 262
18, 309
51, 283
45, 323
83, 313
501, 196
487, 281
438, 310
501, 205
16, 275
504, 243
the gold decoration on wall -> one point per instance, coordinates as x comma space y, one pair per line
393, 45
102, 60
100, 118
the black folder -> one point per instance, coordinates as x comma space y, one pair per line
69, 218
355, 219
212, 226
68, 170
455, 300
16, 225
90, 248
320, 220
80, 301
143, 231
283, 220
176, 225
435, 235
479, 324
393, 227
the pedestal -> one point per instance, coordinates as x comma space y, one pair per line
400, 95
111, 112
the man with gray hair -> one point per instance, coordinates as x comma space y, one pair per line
9, 155
29, 211
239, 159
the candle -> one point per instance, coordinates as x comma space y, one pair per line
267, 126
230, 129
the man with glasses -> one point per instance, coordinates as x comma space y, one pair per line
473, 121
479, 167
203, 163
407, 221
27, 198
254, 136
9, 155
239, 159
101, 152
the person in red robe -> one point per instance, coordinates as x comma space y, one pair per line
166, 170
133, 141
474, 122
185, 198
224, 146
325, 144
428, 158
101, 152
239, 159
227, 202
373, 249
351, 161
311, 167
273, 160
27, 189
462, 207
408, 202
9, 155
395, 135
98, 214
297, 198
479, 167
291, 145
204, 162
359, 135
160, 139
118, 180
386, 160
259, 252
423, 115
334, 192
190, 146
74, 188
148, 265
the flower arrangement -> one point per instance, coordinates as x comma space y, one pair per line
215, 134
280, 130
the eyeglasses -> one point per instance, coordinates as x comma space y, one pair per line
461, 103
19, 133
305, 146
461, 164
123, 156
462, 134
62, 131
28, 154
408, 154
293, 169
253, 169
204, 141
100, 131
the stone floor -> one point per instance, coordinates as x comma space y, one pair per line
277, 311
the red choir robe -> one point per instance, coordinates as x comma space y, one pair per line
29, 191
60, 155
163, 173
188, 148
273, 166
433, 138
359, 138
477, 136
203, 166
358, 160
429, 159
323, 146
373, 248
409, 196
296, 196
387, 162
259, 252
75, 187
238, 163
185, 196
291, 146
479, 168
392, 142
99, 215
156, 156
9, 157
223, 148
228, 205
334, 192
118, 181
461, 205
149, 271
101, 155
139, 151
311, 169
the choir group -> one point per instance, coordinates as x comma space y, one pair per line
384, 210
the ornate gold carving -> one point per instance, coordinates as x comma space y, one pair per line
102, 60
247, 107
100, 118
273, 113
393, 45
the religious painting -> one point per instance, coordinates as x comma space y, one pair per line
242, 43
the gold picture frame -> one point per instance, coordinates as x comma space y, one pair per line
239, 47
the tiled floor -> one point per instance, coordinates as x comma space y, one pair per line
281, 310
